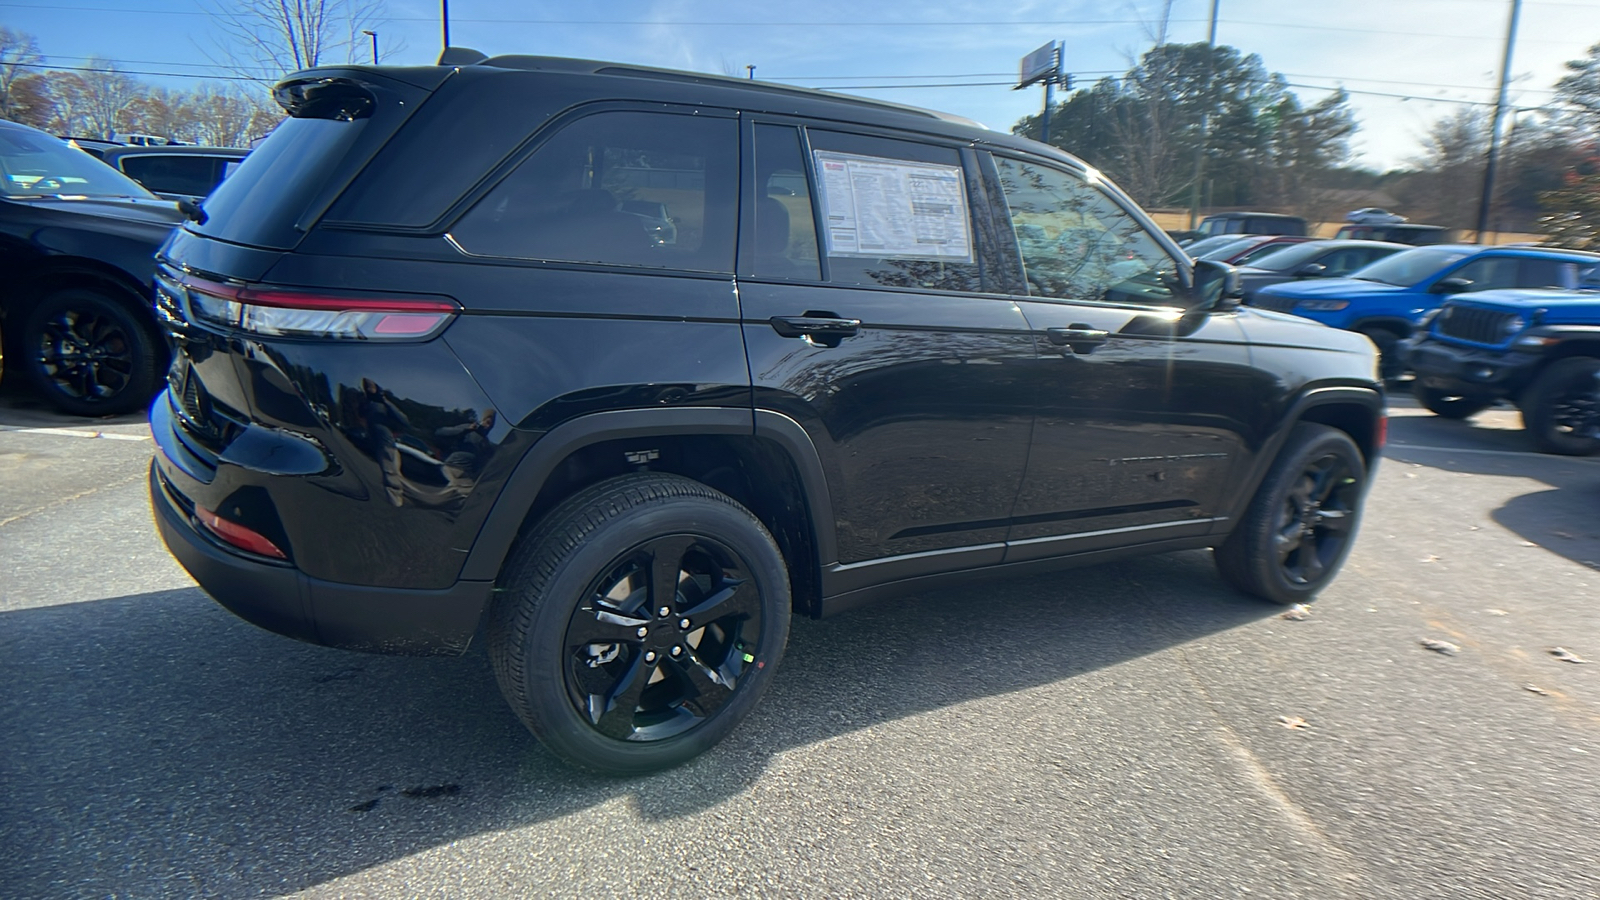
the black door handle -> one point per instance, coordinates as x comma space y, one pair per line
822, 329
1080, 337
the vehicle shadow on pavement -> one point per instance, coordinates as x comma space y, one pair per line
1561, 520
158, 746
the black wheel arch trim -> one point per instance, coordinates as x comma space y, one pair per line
522, 487
1337, 395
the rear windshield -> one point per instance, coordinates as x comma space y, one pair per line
335, 126
1409, 266
33, 164
260, 204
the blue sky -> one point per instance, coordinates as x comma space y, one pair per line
1430, 51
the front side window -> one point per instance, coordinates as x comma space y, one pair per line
1077, 243
619, 188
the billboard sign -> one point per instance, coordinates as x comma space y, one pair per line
1040, 65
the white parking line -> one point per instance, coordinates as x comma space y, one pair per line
1548, 457
78, 433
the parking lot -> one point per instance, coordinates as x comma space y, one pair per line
1131, 730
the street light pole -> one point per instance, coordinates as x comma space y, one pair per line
444, 21
374, 36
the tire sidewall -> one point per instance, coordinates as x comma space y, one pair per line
555, 721
143, 346
1539, 413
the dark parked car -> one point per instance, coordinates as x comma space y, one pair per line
1310, 259
441, 377
1252, 223
1399, 233
1386, 300
77, 245
176, 173
1259, 246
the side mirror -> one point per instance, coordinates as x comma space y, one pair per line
1451, 286
1310, 270
1216, 286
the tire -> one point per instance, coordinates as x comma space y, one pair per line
1390, 365
1448, 405
564, 629
1561, 409
89, 355
1299, 527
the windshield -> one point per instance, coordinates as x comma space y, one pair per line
1223, 245
1288, 257
1408, 267
34, 164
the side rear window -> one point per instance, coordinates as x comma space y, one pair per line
618, 188
895, 213
785, 237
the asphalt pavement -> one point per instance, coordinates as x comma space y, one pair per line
1133, 729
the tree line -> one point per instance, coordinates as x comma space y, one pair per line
1260, 146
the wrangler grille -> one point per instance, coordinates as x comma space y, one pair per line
1475, 324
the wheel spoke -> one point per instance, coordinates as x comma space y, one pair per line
1311, 567
1288, 539
598, 625
712, 687
613, 715
666, 567
1334, 521
736, 596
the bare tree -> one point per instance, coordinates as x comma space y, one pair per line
105, 91
265, 39
19, 55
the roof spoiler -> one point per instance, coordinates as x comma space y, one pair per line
460, 56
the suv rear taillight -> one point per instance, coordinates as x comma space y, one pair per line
274, 312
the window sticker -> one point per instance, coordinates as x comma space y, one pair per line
879, 208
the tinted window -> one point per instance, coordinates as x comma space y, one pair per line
896, 213
172, 173
622, 188
1264, 250
274, 186
34, 164
785, 228
1408, 267
1490, 273
1077, 243
1288, 257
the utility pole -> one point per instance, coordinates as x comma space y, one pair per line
1205, 121
1487, 198
444, 21
752, 70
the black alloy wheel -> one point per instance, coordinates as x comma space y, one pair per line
1300, 526
88, 355
660, 642
639, 622
1561, 410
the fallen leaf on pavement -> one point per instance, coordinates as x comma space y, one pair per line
1566, 655
1438, 646
1497, 612
1293, 722
1534, 688
1296, 613
1431, 557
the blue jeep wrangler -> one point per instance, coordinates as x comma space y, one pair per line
1538, 348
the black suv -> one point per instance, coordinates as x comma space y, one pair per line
436, 374
77, 246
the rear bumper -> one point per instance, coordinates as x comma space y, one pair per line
1474, 373
282, 599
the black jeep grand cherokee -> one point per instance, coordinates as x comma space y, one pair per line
437, 372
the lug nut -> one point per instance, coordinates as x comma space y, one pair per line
650, 657
677, 651
642, 631
663, 612
684, 624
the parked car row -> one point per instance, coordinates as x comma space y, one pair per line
80, 223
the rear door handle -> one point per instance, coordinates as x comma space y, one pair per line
1080, 337
824, 329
